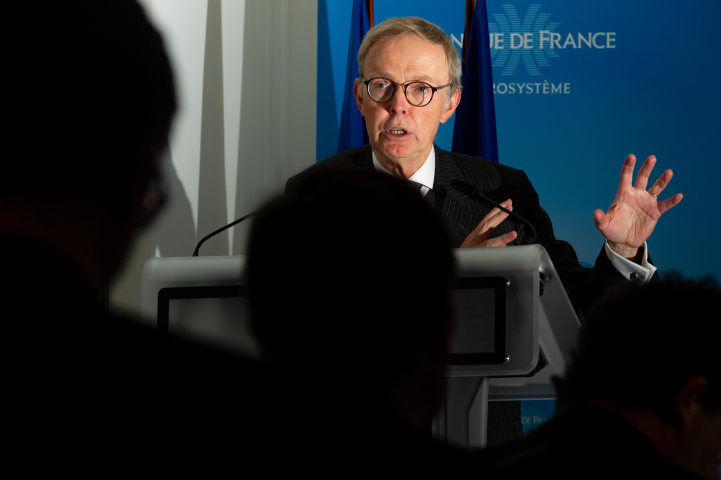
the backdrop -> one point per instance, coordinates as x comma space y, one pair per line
578, 86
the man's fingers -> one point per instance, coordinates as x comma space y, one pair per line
497, 217
661, 183
627, 172
508, 205
670, 203
501, 241
485, 227
493, 218
644, 172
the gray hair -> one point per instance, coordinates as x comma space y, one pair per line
431, 33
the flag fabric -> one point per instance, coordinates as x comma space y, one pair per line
352, 132
474, 131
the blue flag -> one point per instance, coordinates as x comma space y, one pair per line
474, 131
353, 131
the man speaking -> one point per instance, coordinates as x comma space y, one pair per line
409, 83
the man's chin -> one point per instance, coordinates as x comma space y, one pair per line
396, 153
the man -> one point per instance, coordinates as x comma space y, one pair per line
362, 323
642, 397
410, 83
89, 102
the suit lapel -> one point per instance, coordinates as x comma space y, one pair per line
460, 213
447, 177
452, 198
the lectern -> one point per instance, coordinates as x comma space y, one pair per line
514, 326
534, 328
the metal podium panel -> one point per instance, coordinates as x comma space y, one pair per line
200, 298
534, 324
171, 272
537, 324
558, 330
520, 267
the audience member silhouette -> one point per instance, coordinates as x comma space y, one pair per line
89, 98
642, 398
362, 324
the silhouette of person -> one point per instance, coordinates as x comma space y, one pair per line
89, 102
642, 397
362, 324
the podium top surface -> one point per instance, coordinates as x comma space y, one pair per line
192, 271
229, 270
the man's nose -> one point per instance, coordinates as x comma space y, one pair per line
399, 103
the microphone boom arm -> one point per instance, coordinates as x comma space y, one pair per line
476, 193
211, 235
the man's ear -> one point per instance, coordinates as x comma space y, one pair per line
358, 94
688, 409
452, 105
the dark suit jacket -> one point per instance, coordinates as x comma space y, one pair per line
455, 173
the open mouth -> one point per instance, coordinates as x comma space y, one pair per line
396, 132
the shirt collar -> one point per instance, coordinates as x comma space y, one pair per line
424, 175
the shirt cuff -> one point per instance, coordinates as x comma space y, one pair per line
627, 268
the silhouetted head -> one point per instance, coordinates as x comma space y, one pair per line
652, 354
88, 103
350, 276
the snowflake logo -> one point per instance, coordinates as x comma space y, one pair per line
509, 24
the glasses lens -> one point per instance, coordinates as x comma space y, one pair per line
380, 89
419, 93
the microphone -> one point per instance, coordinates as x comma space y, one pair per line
211, 235
477, 193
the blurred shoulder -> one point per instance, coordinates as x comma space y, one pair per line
360, 157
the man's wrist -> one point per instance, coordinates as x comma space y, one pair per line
626, 251
638, 258
628, 266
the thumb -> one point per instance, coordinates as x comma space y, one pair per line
600, 219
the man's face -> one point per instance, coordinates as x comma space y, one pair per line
399, 131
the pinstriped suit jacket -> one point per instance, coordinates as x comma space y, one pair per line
455, 173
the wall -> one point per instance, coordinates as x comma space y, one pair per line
246, 77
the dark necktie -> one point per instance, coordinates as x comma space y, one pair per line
430, 195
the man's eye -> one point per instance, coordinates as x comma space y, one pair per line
421, 88
381, 86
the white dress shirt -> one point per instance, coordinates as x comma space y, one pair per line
427, 173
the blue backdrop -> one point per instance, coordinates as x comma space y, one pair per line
569, 113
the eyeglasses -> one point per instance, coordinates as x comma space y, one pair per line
418, 94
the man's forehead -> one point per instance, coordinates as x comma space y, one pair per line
408, 74
407, 55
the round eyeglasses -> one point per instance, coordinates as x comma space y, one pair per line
418, 94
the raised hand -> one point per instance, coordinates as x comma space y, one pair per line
634, 212
479, 236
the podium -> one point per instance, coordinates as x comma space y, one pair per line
514, 326
541, 328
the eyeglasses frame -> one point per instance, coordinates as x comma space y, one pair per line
405, 90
